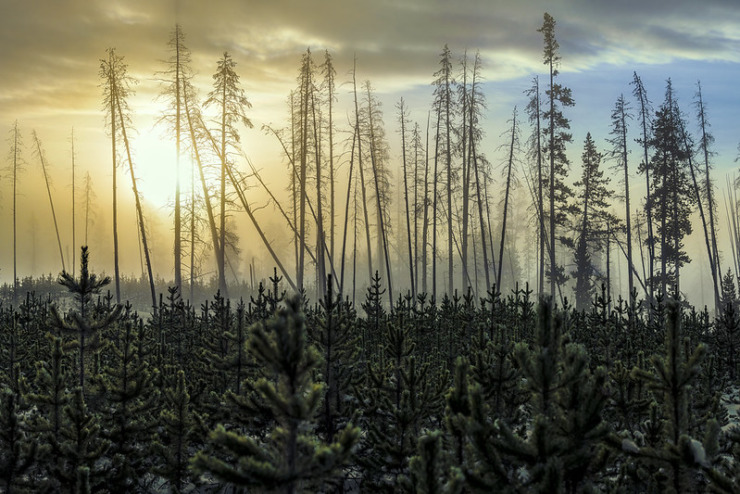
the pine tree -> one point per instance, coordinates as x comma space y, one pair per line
430, 473
17, 451
291, 459
84, 322
727, 332
561, 453
129, 418
402, 394
557, 136
51, 396
679, 455
179, 427
333, 331
593, 204
80, 449
671, 201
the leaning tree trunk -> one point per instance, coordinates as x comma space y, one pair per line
509, 167
138, 206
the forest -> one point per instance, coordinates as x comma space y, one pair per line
423, 333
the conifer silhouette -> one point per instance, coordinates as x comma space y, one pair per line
291, 458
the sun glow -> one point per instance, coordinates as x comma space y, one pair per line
155, 166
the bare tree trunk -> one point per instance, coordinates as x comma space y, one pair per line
246, 207
16, 143
112, 83
48, 190
509, 167
204, 185
425, 215
467, 133
381, 220
448, 141
472, 156
192, 235
222, 199
320, 236
706, 139
434, 207
553, 265
346, 211
138, 204
628, 224
362, 173
74, 247
707, 240
402, 117
641, 96
178, 218
303, 116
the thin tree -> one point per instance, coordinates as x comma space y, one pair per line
417, 149
346, 211
378, 155
534, 110
444, 83
464, 103
329, 73
558, 136
228, 97
705, 141
425, 215
89, 197
644, 118
403, 120
137, 199
42, 159
198, 133
509, 169
475, 108
72, 140
619, 117
320, 233
17, 164
118, 89
107, 70
361, 170
176, 79
700, 202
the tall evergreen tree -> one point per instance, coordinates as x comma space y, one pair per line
557, 136
594, 219
671, 199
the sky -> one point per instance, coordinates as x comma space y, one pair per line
50, 53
